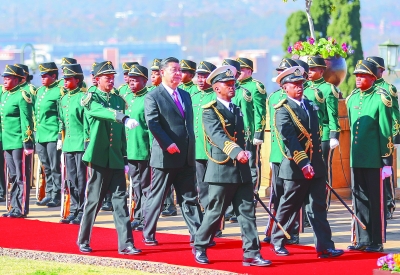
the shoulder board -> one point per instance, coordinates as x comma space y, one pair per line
86, 99
352, 93
385, 97
209, 104
247, 95
273, 93
259, 85
26, 96
126, 104
91, 87
392, 90
319, 96
335, 90
280, 103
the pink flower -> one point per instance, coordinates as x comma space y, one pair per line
298, 46
311, 40
344, 47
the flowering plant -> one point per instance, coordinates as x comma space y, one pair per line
325, 47
390, 262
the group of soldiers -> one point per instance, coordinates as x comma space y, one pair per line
202, 142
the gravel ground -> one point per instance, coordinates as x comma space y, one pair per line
151, 267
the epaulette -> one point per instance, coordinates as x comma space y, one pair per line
247, 95
334, 91
352, 93
319, 96
259, 88
273, 93
91, 87
83, 89
209, 104
32, 89
392, 90
115, 91
385, 97
280, 103
26, 96
126, 104
86, 99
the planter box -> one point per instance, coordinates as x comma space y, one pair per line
383, 272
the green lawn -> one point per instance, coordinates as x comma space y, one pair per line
18, 266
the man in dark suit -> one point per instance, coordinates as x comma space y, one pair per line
228, 172
169, 116
302, 168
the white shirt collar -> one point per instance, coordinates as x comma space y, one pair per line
298, 102
169, 90
226, 103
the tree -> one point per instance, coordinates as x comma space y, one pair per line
296, 29
321, 15
346, 27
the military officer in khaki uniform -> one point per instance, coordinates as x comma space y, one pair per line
47, 130
138, 142
106, 157
259, 96
155, 74
16, 132
228, 172
389, 182
188, 68
369, 108
75, 130
126, 66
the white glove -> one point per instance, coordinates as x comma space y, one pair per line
386, 172
333, 143
257, 141
28, 151
59, 144
126, 169
131, 123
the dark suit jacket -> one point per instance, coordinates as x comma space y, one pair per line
290, 133
167, 126
222, 147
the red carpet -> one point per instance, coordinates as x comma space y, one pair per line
175, 249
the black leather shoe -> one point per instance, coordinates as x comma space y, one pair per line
2, 199
107, 206
150, 241
6, 215
227, 217
233, 219
218, 234
200, 256
78, 219
16, 215
130, 250
359, 247
54, 203
306, 223
44, 201
267, 239
134, 224
330, 253
68, 219
85, 248
169, 211
280, 251
374, 248
295, 239
257, 261
389, 215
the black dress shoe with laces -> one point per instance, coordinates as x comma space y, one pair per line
359, 247
78, 219
267, 239
374, 248
107, 206
17, 214
54, 203
257, 261
295, 239
130, 250
330, 253
6, 215
68, 219
85, 248
150, 242
44, 201
200, 256
169, 211
280, 251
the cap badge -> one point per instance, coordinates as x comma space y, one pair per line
297, 72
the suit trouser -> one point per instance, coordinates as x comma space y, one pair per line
202, 187
255, 166
2, 173
312, 193
50, 158
76, 180
242, 198
390, 193
102, 180
20, 189
368, 196
139, 172
326, 149
183, 179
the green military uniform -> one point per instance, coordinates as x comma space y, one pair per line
124, 88
154, 67
259, 96
229, 180
2, 176
190, 87
16, 133
47, 130
138, 146
26, 86
69, 61
75, 127
371, 148
106, 157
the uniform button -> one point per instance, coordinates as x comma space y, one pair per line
356, 137
356, 133
110, 139
110, 145
111, 134
355, 142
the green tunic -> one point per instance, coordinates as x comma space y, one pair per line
198, 100
151, 88
371, 130
138, 139
16, 119
46, 113
276, 155
62, 81
123, 89
330, 122
189, 87
29, 88
73, 121
259, 96
107, 146
244, 101
317, 97
395, 108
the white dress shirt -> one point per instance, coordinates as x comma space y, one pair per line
226, 103
170, 91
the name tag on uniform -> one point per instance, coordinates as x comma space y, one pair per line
356, 107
